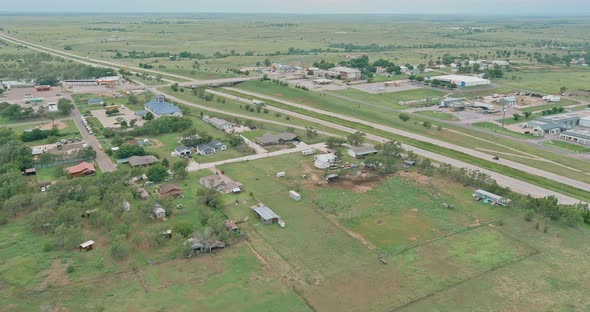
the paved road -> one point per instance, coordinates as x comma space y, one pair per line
514, 184
193, 166
103, 160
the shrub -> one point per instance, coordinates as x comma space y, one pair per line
529, 215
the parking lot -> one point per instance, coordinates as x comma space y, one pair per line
17, 96
112, 122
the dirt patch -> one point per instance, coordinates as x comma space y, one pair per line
59, 124
359, 237
156, 143
55, 276
415, 176
414, 209
355, 184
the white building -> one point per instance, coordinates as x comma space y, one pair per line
462, 81
580, 136
324, 161
552, 98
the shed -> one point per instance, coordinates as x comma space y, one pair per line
296, 196
362, 151
159, 212
409, 163
86, 246
331, 177
265, 214
30, 171
170, 189
231, 226
214, 245
144, 194
137, 161
491, 197
167, 234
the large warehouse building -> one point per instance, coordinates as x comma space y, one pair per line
462, 81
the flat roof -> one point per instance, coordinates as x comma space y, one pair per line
87, 243
578, 133
459, 78
265, 213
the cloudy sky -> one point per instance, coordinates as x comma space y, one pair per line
503, 7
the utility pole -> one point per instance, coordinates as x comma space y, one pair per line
504, 113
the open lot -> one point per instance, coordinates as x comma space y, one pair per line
429, 249
111, 121
381, 87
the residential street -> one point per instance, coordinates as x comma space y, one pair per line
103, 160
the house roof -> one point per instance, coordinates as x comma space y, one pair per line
83, 167
269, 138
217, 122
170, 189
143, 193
231, 225
265, 213
326, 157
213, 144
162, 107
182, 148
142, 160
578, 134
363, 150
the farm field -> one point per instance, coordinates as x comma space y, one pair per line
401, 219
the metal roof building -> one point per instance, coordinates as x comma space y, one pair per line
266, 214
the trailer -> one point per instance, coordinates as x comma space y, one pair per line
488, 197
307, 152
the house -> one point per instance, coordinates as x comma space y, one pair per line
510, 101
143, 194
273, 139
159, 212
81, 169
218, 123
231, 226
490, 197
182, 151
296, 196
96, 101
266, 215
210, 148
86, 246
324, 161
170, 189
138, 161
221, 184
360, 152
159, 108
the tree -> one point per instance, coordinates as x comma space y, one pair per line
65, 106
516, 116
179, 169
119, 248
356, 139
149, 116
562, 89
334, 142
527, 115
310, 132
236, 141
404, 117
267, 62
157, 173
427, 124
132, 99
165, 162
174, 87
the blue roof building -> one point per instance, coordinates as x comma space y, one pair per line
159, 108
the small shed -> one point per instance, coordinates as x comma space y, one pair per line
231, 226
296, 196
215, 245
409, 163
195, 245
159, 212
30, 171
281, 174
266, 215
86, 246
331, 177
167, 234
144, 194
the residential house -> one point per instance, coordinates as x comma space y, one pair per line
139, 161
170, 189
159, 108
182, 151
221, 184
360, 152
81, 169
210, 148
273, 139
324, 161
218, 123
159, 212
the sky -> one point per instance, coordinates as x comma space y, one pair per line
487, 7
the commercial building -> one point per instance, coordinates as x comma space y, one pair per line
346, 73
580, 136
462, 81
509, 101
160, 108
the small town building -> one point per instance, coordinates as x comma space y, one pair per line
220, 124
296, 196
274, 139
266, 215
215, 245
196, 246
462, 81
211, 148
159, 108
552, 98
96, 101
30, 171
182, 151
579, 136
509, 101
81, 169
231, 226
87, 246
345, 73
360, 152
448, 102
490, 197
142, 161
170, 189
324, 161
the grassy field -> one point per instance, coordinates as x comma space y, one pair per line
402, 220
550, 80
392, 99
566, 146
438, 115
495, 128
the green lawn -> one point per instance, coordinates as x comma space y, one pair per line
549, 80
391, 99
567, 146
496, 128
438, 115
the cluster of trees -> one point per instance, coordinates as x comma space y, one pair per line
128, 150
17, 112
552, 111
323, 65
167, 124
39, 134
